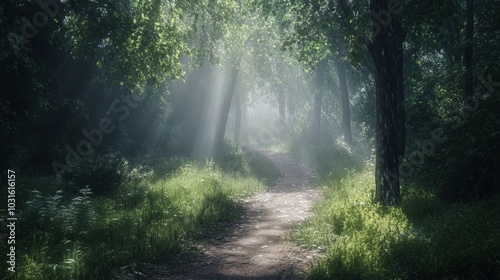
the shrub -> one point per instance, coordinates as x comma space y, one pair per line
245, 162
230, 158
423, 238
62, 216
332, 161
67, 236
103, 173
467, 165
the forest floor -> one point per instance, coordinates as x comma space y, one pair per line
256, 246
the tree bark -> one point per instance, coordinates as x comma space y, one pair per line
469, 52
346, 109
401, 113
226, 104
387, 53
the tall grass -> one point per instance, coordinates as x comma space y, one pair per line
423, 238
88, 237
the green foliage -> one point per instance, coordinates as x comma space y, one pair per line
153, 167
466, 165
230, 158
59, 214
245, 162
332, 161
88, 237
103, 173
261, 167
423, 238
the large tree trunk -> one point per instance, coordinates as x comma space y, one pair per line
469, 51
346, 109
226, 105
282, 115
237, 124
387, 53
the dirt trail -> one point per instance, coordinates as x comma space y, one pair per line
256, 246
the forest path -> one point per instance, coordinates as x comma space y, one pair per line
255, 247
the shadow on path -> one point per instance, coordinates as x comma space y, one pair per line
256, 247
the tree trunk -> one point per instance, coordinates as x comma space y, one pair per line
318, 96
226, 105
282, 115
346, 109
469, 51
244, 121
401, 108
237, 124
387, 53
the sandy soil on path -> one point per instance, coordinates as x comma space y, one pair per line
256, 246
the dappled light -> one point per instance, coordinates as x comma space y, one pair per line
255, 139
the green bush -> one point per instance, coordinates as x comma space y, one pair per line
103, 173
154, 166
230, 158
68, 236
332, 161
245, 162
59, 214
466, 165
422, 238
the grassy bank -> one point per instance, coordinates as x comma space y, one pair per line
85, 236
423, 238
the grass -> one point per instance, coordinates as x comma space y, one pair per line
423, 238
63, 236
331, 161
246, 162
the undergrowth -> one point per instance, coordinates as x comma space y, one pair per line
332, 161
422, 238
61, 235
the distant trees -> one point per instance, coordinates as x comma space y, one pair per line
65, 66
320, 27
81, 57
320, 73
346, 107
227, 98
